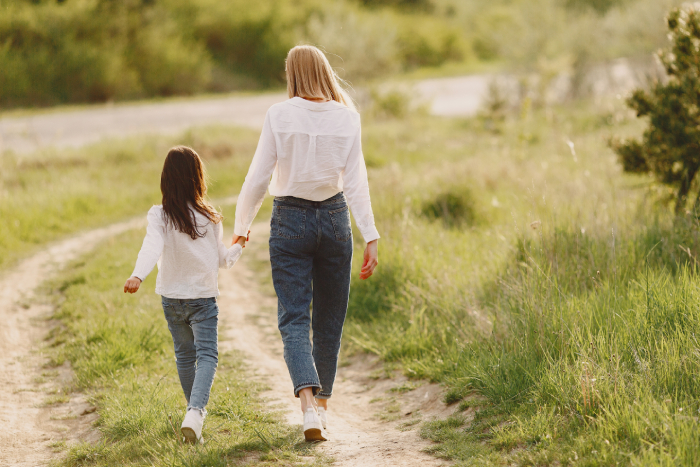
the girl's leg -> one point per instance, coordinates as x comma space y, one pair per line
183, 342
204, 321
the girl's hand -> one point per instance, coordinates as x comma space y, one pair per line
240, 240
132, 284
371, 260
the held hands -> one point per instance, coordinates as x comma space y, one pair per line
132, 284
240, 240
371, 260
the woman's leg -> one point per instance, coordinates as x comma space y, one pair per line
183, 342
204, 322
292, 242
331, 290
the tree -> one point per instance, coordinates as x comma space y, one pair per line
670, 146
600, 6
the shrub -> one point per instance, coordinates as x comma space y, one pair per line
601, 6
359, 44
427, 41
393, 103
251, 41
94, 51
455, 207
670, 146
421, 5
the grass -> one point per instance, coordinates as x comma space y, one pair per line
552, 295
121, 352
564, 320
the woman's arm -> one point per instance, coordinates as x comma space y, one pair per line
256, 182
356, 189
151, 249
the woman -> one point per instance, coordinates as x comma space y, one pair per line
310, 146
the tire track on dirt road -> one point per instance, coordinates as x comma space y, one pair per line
359, 437
29, 423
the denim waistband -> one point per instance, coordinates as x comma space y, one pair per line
183, 301
337, 199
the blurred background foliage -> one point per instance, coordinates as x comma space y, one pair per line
59, 51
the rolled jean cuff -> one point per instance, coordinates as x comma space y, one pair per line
202, 410
314, 386
322, 395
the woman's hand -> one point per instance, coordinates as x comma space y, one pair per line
132, 284
371, 259
240, 240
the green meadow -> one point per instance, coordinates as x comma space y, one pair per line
552, 295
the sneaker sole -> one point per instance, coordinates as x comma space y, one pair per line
314, 434
189, 435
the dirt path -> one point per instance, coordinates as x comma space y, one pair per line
81, 126
30, 414
370, 424
458, 96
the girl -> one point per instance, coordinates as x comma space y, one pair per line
311, 146
185, 235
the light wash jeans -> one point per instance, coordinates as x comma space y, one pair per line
311, 258
193, 325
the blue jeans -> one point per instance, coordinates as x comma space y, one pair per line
193, 325
311, 259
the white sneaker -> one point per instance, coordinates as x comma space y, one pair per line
313, 429
322, 414
192, 426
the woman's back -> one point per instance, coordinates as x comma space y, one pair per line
313, 142
313, 151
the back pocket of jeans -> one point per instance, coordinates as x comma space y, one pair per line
341, 224
290, 222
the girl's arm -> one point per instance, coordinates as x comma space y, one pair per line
151, 249
256, 182
228, 256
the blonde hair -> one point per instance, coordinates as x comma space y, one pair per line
310, 76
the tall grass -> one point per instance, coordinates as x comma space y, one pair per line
563, 321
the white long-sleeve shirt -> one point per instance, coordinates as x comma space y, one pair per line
186, 268
313, 151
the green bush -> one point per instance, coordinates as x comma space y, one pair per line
454, 207
94, 51
429, 42
669, 147
359, 44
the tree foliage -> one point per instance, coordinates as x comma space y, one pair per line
670, 146
600, 6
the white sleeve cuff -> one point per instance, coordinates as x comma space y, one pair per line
240, 231
233, 255
370, 233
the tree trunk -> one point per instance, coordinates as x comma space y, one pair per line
696, 205
686, 183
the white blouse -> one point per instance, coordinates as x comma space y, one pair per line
186, 268
313, 151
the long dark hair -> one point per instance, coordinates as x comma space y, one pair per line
183, 184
